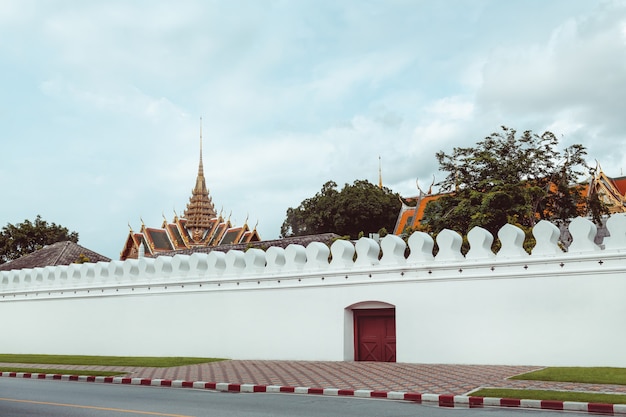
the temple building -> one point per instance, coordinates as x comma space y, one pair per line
611, 191
199, 227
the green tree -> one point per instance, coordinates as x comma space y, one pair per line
510, 178
360, 207
26, 237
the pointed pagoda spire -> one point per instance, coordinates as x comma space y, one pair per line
380, 173
200, 209
200, 167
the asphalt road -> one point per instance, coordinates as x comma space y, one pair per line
32, 398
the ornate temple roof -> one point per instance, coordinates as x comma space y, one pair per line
199, 227
410, 215
612, 191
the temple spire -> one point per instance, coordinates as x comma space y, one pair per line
200, 209
200, 181
380, 173
200, 167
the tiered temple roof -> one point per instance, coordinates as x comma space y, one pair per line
200, 213
612, 191
199, 227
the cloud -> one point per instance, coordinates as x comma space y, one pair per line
87, 38
574, 81
119, 99
292, 94
333, 81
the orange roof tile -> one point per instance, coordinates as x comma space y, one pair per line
620, 184
412, 216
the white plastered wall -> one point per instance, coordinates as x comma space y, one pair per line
551, 308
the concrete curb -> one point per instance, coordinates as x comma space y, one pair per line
460, 401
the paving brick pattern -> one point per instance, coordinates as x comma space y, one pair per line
422, 378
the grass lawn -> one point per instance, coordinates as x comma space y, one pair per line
615, 376
82, 372
529, 394
598, 375
140, 361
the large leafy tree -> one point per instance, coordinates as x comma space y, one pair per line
358, 208
510, 178
26, 237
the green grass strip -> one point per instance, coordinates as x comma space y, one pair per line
530, 394
139, 361
616, 376
61, 371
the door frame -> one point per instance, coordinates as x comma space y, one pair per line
348, 323
370, 312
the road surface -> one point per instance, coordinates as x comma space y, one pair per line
28, 397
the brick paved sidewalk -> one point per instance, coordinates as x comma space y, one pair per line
378, 376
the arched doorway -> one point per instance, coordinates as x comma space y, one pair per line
374, 329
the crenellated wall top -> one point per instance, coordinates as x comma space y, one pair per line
366, 256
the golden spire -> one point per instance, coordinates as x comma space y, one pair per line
200, 168
380, 174
200, 181
200, 209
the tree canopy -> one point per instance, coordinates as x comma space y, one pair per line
26, 237
510, 178
358, 208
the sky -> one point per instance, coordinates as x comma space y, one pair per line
101, 101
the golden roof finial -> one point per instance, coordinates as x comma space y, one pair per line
417, 183
380, 173
130, 227
200, 141
430, 189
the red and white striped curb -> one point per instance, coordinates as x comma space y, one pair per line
463, 401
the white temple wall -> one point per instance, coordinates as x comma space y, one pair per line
549, 308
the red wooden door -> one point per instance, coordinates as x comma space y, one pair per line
375, 335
